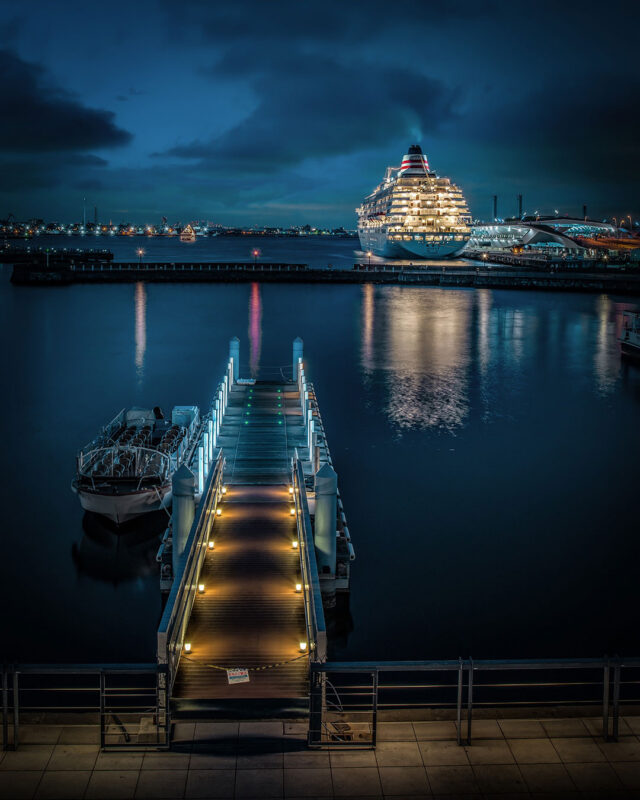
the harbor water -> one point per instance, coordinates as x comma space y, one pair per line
486, 443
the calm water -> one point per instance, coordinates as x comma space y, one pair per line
486, 444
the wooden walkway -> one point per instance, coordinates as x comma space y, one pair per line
250, 615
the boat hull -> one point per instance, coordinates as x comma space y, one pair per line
378, 243
630, 350
126, 506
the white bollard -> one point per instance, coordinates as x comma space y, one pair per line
234, 353
211, 442
214, 420
297, 355
207, 451
310, 438
200, 468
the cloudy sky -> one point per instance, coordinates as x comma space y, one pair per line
285, 112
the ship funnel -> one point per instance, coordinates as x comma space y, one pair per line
414, 162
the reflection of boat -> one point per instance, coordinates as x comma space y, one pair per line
414, 213
630, 335
126, 470
187, 234
118, 554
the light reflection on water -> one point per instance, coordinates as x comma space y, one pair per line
255, 329
141, 329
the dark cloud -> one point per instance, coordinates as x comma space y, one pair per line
318, 107
39, 118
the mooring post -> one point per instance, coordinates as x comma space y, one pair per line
234, 353
298, 345
324, 533
183, 511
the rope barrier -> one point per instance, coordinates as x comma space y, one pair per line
249, 669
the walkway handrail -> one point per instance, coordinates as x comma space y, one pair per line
313, 610
175, 618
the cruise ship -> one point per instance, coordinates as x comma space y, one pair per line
414, 213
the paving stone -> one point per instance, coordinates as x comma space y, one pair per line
583, 750
309, 782
483, 729
80, 734
259, 783
522, 729
304, 758
452, 780
207, 759
633, 723
595, 777
353, 758
395, 732
73, 756
547, 778
500, 778
27, 757
168, 761
404, 781
489, 751
182, 732
210, 783
296, 729
398, 754
533, 751
39, 734
207, 731
263, 730
259, 760
629, 774
161, 783
108, 784
557, 728
356, 781
627, 748
63, 785
435, 730
119, 761
16, 785
443, 754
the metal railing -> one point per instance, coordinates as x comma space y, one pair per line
175, 618
347, 697
129, 702
313, 610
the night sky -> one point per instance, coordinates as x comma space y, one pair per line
288, 113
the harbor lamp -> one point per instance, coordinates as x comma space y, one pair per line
255, 253
369, 254
140, 254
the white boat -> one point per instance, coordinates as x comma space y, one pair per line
414, 213
188, 234
126, 470
630, 335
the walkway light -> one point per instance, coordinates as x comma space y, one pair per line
298, 587
294, 544
218, 512
291, 490
211, 545
303, 647
201, 588
187, 647
224, 490
292, 511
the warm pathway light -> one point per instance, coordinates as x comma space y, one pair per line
291, 490
298, 587
218, 512
211, 545
201, 588
303, 647
224, 490
292, 511
187, 647
294, 544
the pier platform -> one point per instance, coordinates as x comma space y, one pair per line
250, 615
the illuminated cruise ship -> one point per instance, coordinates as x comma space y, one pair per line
414, 213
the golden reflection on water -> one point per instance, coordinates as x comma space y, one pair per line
606, 360
255, 329
421, 346
141, 328
368, 318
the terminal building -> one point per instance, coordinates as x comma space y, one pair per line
553, 235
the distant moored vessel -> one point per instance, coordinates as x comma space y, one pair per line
414, 213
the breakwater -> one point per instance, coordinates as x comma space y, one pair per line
619, 280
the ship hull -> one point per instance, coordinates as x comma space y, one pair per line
378, 243
126, 506
630, 350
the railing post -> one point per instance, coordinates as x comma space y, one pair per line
234, 354
314, 736
207, 451
5, 708
459, 703
102, 715
470, 701
297, 356
605, 701
16, 711
616, 699
374, 715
